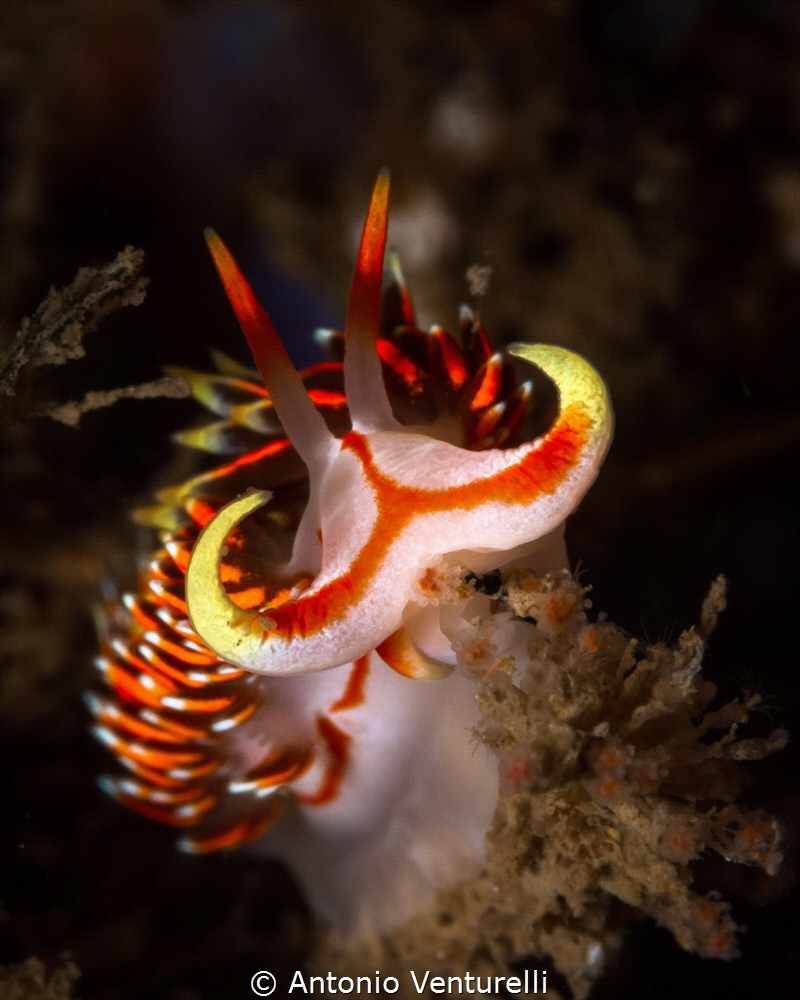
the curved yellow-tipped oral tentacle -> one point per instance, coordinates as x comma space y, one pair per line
579, 385
398, 652
235, 635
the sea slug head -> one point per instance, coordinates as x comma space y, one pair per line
391, 508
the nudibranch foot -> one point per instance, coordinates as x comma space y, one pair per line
286, 665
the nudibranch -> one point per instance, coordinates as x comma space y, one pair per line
286, 673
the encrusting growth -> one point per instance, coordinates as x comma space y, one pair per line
614, 775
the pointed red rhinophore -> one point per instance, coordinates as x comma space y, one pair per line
364, 304
301, 420
268, 352
363, 375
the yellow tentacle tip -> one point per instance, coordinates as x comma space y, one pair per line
577, 380
398, 652
233, 634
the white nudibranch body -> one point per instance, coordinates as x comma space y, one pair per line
335, 655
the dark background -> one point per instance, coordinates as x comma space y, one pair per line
629, 171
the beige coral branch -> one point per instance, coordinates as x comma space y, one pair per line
71, 413
55, 332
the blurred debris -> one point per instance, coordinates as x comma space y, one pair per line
478, 276
782, 189
29, 980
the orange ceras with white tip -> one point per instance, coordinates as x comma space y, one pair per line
283, 653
